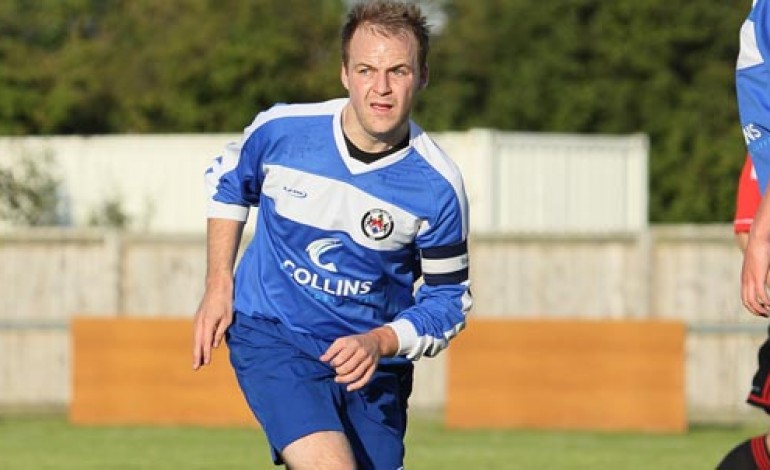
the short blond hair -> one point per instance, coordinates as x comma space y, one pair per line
392, 17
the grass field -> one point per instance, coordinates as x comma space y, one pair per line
39, 443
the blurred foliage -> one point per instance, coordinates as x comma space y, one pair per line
28, 191
110, 213
118, 66
660, 67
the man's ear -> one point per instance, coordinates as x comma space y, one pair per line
344, 77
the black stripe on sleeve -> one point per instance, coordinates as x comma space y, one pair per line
446, 278
449, 251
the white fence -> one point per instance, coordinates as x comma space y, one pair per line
516, 182
552, 183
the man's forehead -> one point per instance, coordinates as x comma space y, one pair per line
375, 43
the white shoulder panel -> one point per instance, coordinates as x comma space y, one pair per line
749, 54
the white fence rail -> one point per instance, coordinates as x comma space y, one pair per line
516, 182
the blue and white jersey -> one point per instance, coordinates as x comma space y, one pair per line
339, 244
752, 79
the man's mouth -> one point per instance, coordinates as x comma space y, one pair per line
381, 107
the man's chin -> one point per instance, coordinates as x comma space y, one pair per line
389, 132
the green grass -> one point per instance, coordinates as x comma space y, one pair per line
39, 443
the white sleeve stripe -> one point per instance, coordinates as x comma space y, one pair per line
467, 300
446, 265
406, 334
413, 346
220, 210
221, 165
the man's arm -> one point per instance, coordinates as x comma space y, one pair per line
423, 329
756, 263
215, 312
751, 72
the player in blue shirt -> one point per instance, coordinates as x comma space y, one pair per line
752, 79
356, 203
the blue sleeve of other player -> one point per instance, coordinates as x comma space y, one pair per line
752, 78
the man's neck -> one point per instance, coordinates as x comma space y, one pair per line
371, 157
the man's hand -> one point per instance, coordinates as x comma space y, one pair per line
355, 357
215, 312
753, 277
214, 315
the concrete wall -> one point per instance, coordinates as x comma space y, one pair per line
687, 273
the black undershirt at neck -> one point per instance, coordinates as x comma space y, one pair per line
371, 157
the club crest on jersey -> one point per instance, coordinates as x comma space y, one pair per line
377, 224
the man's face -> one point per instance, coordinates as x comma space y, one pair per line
382, 77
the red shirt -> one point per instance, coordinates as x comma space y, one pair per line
748, 198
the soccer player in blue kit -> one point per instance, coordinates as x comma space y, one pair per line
356, 204
752, 78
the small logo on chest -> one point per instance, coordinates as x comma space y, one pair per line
377, 224
298, 193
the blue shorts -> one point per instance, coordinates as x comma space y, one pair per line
293, 394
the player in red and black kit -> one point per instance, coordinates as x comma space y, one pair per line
752, 453
752, 77
746, 206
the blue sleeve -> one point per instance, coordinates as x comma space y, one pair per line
234, 179
752, 79
444, 298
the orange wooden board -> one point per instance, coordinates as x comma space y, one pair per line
139, 371
564, 374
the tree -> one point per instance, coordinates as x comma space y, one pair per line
660, 67
106, 66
